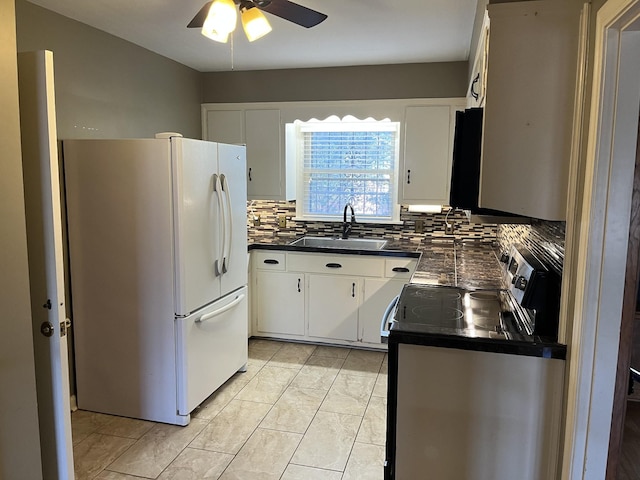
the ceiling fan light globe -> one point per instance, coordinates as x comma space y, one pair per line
255, 24
221, 20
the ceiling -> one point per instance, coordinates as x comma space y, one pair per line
356, 32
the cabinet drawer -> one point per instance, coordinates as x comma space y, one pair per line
399, 267
268, 260
363, 266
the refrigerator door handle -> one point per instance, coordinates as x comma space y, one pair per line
217, 265
228, 225
220, 311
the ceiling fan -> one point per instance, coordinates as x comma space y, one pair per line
218, 18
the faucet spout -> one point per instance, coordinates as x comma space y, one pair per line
347, 226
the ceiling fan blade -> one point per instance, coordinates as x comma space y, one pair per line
293, 12
200, 17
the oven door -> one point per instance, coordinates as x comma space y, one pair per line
387, 318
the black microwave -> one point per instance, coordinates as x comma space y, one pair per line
465, 168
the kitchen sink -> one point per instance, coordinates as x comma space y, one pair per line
348, 243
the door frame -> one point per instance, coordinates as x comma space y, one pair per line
601, 239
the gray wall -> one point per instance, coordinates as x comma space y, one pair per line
416, 80
107, 87
19, 437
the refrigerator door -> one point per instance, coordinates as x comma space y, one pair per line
211, 347
232, 168
198, 223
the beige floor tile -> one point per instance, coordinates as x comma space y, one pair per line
298, 472
267, 385
193, 464
84, 423
365, 463
126, 427
219, 399
265, 456
384, 369
380, 389
97, 451
363, 363
349, 394
294, 410
374, 424
263, 349
292, 355
332, 352
150, 455
328, 441
228, 431
318, 373
115, 476
385, 360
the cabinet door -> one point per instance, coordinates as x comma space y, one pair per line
333, 306
280, 302
528, 116
378, 293
225, 126
265, 163
426, 169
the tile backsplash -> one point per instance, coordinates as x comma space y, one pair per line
545, 239
433, 225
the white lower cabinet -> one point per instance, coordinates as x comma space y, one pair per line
333, 307
378, 293
317, 297
279, 301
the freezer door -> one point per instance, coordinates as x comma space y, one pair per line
232, 168
198, 223
211, 347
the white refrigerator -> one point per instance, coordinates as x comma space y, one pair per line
158, 272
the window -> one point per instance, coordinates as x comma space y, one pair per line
349, 161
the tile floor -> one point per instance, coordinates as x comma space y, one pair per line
299, 412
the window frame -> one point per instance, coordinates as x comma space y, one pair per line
295, 134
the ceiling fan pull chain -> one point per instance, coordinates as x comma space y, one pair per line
231, 51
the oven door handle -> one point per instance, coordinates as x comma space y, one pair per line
386, 320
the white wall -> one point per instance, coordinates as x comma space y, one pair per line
19, 437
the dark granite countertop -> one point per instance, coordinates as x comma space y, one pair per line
471, 265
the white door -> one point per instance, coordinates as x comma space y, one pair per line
44, 242
280, 301
232, 167
198, 222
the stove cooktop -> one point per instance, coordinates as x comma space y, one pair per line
460, 312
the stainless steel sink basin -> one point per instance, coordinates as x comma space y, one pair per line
349, 243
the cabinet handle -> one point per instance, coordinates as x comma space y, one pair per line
271, 261
400, 269
333, 265
408, 177
298, 285
473, 84
249, 174
353, 290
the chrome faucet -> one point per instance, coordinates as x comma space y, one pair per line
347, 226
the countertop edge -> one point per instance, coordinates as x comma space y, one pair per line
341, 251
540, 349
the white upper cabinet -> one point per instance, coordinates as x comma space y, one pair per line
260, 130
426, 145
533, 96
478, 78
265, 168
425, 166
